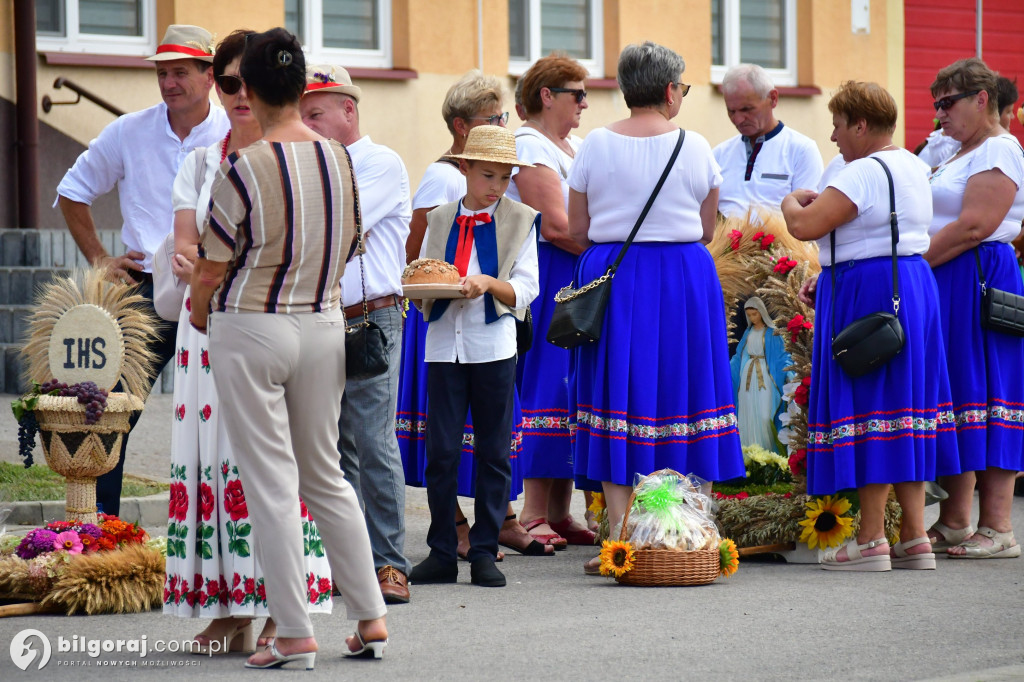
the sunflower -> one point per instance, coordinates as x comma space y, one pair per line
728, 557
596, 503
826, 525
617, 558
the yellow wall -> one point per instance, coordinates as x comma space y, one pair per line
438, 39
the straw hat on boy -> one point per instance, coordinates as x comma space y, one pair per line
491, 143
183, 41
330, 78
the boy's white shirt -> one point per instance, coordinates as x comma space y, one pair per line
461, 334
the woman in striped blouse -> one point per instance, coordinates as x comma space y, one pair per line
282, 219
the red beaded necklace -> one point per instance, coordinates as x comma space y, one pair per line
224, 147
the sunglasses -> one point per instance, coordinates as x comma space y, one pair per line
496, 120
685, 88
947, 102
229, 85
579, 93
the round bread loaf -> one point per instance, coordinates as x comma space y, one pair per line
430, 271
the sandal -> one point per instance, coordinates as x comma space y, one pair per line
572, 536
950, 536
901, 559
553, 539
1003, 546
592, 566
464, 556
855, 561
237, 636
533, 549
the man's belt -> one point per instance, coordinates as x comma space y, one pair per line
356, 309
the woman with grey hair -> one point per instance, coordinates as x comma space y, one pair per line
655, 391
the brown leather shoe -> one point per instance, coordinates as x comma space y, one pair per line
394, 586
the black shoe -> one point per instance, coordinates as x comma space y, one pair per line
433, 570
485, 573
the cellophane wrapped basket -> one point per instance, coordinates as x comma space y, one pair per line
671, 554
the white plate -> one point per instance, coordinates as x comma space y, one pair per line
432, 291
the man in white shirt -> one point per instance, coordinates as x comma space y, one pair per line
367, 443
140, 153
767, 160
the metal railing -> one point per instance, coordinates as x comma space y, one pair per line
80, 92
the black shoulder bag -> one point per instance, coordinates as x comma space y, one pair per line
1001, 311
869, 342
579, 313
366, 352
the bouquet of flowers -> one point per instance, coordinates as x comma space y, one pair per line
75, 537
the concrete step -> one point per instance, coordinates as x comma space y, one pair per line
50, 248
19, 284
14, 322
11, 379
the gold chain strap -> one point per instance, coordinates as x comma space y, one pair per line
567, 293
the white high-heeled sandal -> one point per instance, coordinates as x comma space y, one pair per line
855, 561
306, 657
374, 648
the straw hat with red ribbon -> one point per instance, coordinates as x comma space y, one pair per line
183, 41
329, 78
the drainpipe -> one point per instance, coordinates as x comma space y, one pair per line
27, 118
977, 30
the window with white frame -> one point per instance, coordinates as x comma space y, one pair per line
99, 26
537, 27
759, 32
345, 32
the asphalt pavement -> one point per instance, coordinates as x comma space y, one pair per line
963, 622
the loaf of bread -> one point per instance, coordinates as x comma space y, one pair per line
430, 271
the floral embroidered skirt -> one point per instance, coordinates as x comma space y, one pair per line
411, 418
656, 391
894, 424
211, 565
543, 377
986, 368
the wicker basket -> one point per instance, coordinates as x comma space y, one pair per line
80, 452
669, 567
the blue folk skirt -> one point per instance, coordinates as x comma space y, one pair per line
411, 418
986, 368
543, 377
656, 391
894, 424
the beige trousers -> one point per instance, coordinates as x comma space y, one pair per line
280, 379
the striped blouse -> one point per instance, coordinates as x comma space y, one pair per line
283, 214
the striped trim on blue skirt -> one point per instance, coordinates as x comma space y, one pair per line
543, 377
656, 391
411, 418
894, 424
986, 368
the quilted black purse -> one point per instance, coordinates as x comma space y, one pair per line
579, 313
366, 352
1001, 311
869, 342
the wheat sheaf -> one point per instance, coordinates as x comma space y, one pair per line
122, 302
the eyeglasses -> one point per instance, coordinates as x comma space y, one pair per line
685, 88
950, 100
579, 93
496, 120
229, 85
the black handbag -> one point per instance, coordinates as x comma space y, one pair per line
1001, 311
579, 313
366, 352
869, 342
524, 333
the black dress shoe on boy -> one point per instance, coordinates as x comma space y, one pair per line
483, 572
433, 570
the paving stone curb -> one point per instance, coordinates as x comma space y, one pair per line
145, 511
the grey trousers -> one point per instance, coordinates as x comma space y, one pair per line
369, 448
280, 379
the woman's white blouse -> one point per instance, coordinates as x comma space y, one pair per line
533, 147
619, 172
442, 183
184, 195
863, 182
949, 181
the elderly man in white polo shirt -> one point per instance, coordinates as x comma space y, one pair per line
140, 153
767, 160
368, 445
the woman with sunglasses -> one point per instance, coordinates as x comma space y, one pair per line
474, 100
978, 199
283, 216
553, 98
655, 391
212, 570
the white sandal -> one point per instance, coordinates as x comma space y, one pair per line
855, 561
951, 537
1003, 546
923, 561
